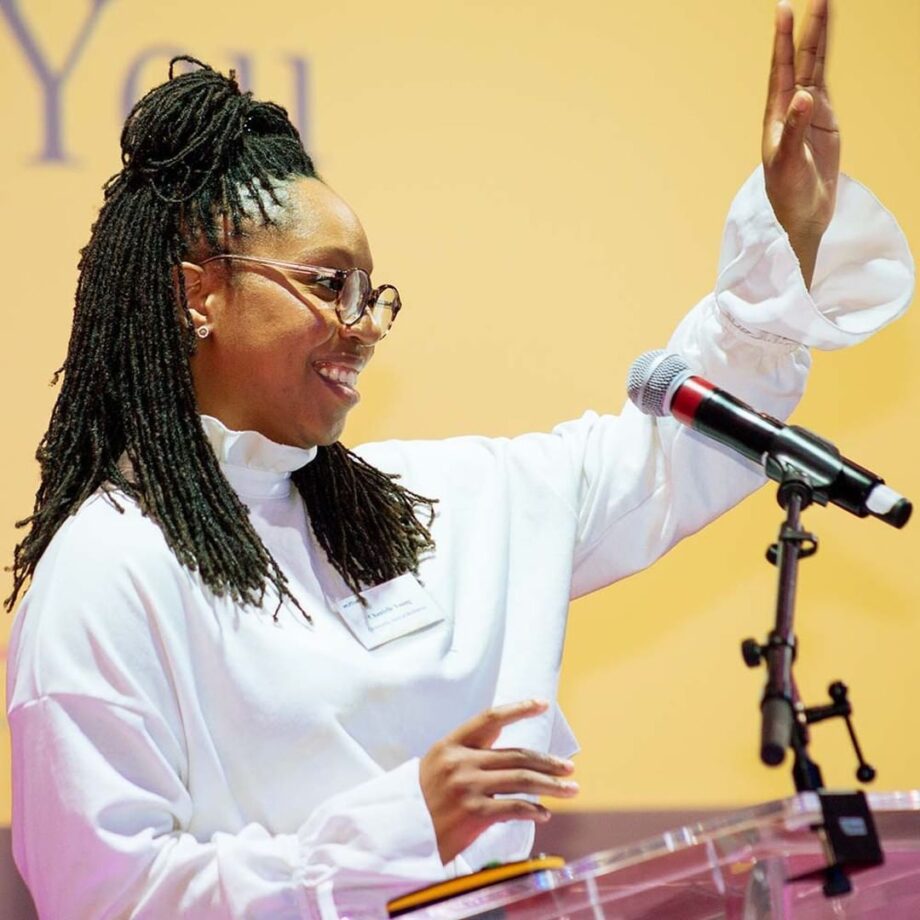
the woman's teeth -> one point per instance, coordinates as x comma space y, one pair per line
343, 375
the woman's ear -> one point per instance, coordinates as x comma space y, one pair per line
193, 276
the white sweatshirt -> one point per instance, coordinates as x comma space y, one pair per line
178, 755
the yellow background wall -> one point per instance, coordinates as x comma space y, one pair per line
546, 182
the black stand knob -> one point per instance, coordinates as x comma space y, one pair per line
840, 708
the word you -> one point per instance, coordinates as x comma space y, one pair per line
53, 81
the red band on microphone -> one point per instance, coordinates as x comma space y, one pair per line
688, 397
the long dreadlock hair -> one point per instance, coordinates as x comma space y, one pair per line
197, 154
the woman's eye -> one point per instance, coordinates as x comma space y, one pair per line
326, 289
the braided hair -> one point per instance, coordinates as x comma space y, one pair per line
199, 157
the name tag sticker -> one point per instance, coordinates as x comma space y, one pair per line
395, 608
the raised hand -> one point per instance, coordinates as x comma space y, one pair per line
801, 141
462, 773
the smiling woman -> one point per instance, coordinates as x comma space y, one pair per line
257, 674
345, 319
282, 339
207, 168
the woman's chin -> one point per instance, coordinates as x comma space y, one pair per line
313, 436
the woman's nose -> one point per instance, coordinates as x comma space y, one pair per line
365, 331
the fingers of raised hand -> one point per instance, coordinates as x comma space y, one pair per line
791, 148
525, 782
462, 774
782, 72
469, 794
508, 771
523, 759
494, 810
480, 812
483, 729
809, 60
820, 71
460, 794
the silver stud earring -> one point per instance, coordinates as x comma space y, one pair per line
202, 332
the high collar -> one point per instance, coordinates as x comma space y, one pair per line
255, 466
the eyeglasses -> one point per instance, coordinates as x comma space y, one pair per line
349, 289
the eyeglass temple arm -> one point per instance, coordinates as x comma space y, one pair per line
319, 270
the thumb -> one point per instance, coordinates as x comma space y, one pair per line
798, 118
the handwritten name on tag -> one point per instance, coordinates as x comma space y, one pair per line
394, 609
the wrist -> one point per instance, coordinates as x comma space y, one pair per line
805, 246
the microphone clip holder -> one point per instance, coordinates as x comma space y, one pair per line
784, 718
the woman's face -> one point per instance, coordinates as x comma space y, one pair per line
275, 346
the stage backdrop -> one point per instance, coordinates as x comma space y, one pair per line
546, 182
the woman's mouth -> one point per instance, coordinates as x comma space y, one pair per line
342, 380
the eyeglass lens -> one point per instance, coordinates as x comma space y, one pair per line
355, 293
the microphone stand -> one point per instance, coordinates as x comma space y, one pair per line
784, 718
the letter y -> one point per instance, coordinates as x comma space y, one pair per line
52, 83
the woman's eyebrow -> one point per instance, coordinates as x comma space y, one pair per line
327, 257
330, 257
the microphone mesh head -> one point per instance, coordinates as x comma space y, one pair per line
653, 379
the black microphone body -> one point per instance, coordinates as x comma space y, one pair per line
730, 422
662, 384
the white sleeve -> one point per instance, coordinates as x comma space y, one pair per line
645, 483
99, 807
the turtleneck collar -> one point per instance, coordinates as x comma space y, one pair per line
255, 466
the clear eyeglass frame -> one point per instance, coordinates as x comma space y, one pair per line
354, 297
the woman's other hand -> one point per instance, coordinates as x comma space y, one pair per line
461, 775
801, 141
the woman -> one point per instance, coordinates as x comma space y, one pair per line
259, 675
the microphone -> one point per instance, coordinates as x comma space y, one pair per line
663, 384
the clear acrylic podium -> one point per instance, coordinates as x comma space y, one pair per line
738, 867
